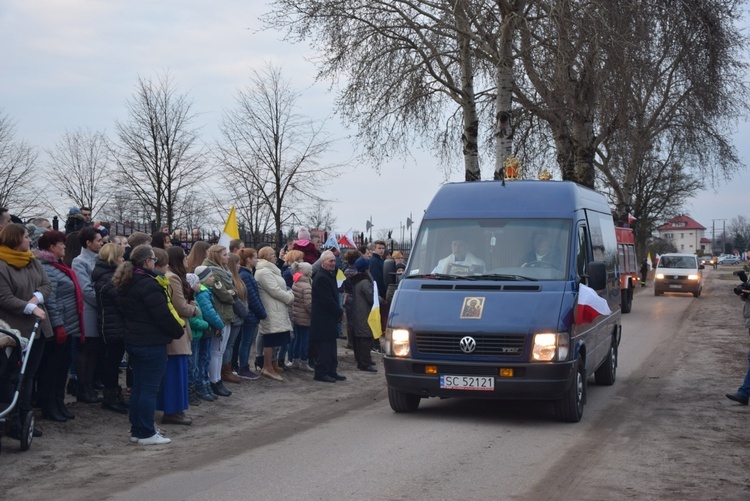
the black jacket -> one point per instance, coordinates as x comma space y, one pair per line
376, 273
111, 323
143, 305
325, 311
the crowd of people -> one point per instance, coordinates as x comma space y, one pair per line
179, 320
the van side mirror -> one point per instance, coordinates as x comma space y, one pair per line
701, 267
597, 277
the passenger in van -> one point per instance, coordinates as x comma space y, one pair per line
460, 262
543, 252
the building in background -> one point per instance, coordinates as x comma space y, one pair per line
686, 234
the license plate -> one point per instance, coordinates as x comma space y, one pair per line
675, 287
476, 383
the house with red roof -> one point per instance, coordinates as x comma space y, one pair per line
686, 234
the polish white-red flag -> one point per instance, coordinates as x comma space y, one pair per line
347, 239
590, 305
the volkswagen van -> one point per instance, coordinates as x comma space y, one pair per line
678, 273
487, 305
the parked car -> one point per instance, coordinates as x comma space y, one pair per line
729, 260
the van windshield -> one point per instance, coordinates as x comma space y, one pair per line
491, 249
679, 262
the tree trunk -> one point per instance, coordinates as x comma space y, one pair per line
470, 136
504, 98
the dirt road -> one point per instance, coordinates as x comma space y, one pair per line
668, 434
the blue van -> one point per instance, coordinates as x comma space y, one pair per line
487, 305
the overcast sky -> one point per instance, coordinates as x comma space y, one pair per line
70, 64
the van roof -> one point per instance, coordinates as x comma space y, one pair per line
522, 199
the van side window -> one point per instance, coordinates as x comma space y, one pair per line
581, 251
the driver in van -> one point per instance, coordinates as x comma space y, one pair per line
543, 252
460, 261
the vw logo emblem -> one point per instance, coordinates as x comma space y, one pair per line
468, 344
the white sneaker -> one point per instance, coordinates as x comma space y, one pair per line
295, 363
134, 439
305, 367
155, 439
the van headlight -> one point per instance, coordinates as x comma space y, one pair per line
549, 347
694, 277
660, 276
397, 342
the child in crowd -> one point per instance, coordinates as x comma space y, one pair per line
202, 345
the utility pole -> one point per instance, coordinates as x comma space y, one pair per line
723, 234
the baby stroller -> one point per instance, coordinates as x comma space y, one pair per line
13, 359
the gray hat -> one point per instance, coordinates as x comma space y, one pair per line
203, 272
192, 279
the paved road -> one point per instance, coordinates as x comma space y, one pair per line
457, 449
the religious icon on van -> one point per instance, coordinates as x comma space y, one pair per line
472, 307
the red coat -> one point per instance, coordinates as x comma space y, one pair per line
311, 253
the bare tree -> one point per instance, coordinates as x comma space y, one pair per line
320, 216
159, 159
18, 192
277, 151
406, 65
79, 168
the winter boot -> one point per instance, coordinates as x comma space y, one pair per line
111, 403
87, 395
72, 388
227, 375
193, 399
204, 392
63, 409
121, 399
219, 389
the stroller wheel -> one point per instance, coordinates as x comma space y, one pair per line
27, 431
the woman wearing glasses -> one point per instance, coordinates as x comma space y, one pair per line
150, 327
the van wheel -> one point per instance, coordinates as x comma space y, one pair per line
570, 407
697, 294
606, 374
401, 401
627, 300
657, 292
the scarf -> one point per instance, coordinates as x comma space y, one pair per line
16, 259
79, 297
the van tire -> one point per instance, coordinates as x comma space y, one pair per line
570, 408
401, 401
697, 293
657, 292
627, 300
606, 374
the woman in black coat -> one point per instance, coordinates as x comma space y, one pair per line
150, 327
111, 324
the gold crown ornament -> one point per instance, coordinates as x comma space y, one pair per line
512, 169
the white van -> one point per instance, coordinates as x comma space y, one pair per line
678, 273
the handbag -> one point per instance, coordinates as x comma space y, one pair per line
240, 308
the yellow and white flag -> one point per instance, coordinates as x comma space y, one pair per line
231, 231
373, 319
340, 277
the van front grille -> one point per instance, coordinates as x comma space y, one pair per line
487, 345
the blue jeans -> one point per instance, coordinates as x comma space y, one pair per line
745, 388
248, 333
286, 349
198, 362
301, 340
227, 356
148, 363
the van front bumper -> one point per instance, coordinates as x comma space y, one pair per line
538, 381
